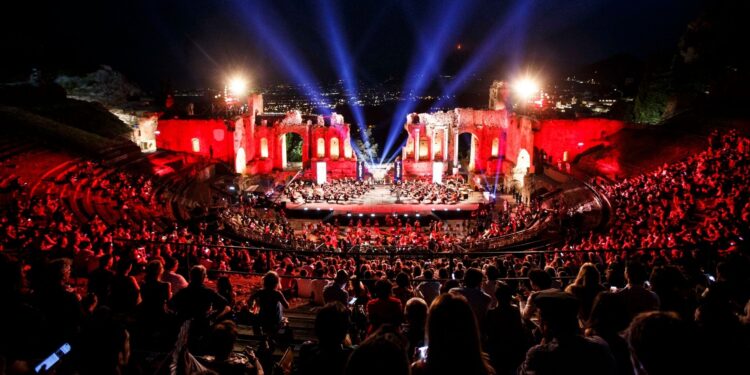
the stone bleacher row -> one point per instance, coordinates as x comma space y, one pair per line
55, 174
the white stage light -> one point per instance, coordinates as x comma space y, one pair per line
526, 88
237, 86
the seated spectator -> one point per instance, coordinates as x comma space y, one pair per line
454, 343
384, 309
154, 292
671, 286
662, 343
563, 349
539, 281
100, 280
359, 291
104, 346
318, 285
725, 340
507, 338
225, 289
416, 318
472, 291
58, 303
171, 276
271, 304
126, 294
608, 319
330, 353
198, 303
637, 297
384, 352
428, 289
585, 288
304, 285
403, 290
336, 290
490, 284
220, 356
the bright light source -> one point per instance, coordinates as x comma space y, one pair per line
237, 86
526, 88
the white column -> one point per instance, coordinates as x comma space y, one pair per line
432, 145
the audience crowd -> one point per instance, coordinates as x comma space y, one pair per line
665, 290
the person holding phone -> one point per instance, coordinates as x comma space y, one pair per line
53, 359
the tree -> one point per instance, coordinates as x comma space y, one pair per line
366, 146
293, 148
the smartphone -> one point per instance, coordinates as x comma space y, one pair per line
351, 301
422, 352
53, 358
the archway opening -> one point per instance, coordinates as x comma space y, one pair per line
522, 166
291, 151
467, 151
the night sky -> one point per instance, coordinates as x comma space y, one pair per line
196, 43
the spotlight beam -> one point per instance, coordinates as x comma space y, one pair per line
278, 42
512, 23
426, 64
344, 65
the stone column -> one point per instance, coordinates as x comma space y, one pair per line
283, 151
473, 153
455, 148
445, 144
432, 145
416, 145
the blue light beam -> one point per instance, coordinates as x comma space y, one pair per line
426, 64
343, 62
278, 42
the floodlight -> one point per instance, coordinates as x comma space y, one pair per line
526, 88
238, 86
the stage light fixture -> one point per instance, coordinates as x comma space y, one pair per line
237, 86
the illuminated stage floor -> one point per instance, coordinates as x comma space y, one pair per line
380, 201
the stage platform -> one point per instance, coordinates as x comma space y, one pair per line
379, 201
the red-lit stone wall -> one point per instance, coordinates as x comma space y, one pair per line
575, 136
212, 134
262, 142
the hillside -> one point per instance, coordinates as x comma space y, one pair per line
43, 114
636, 149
